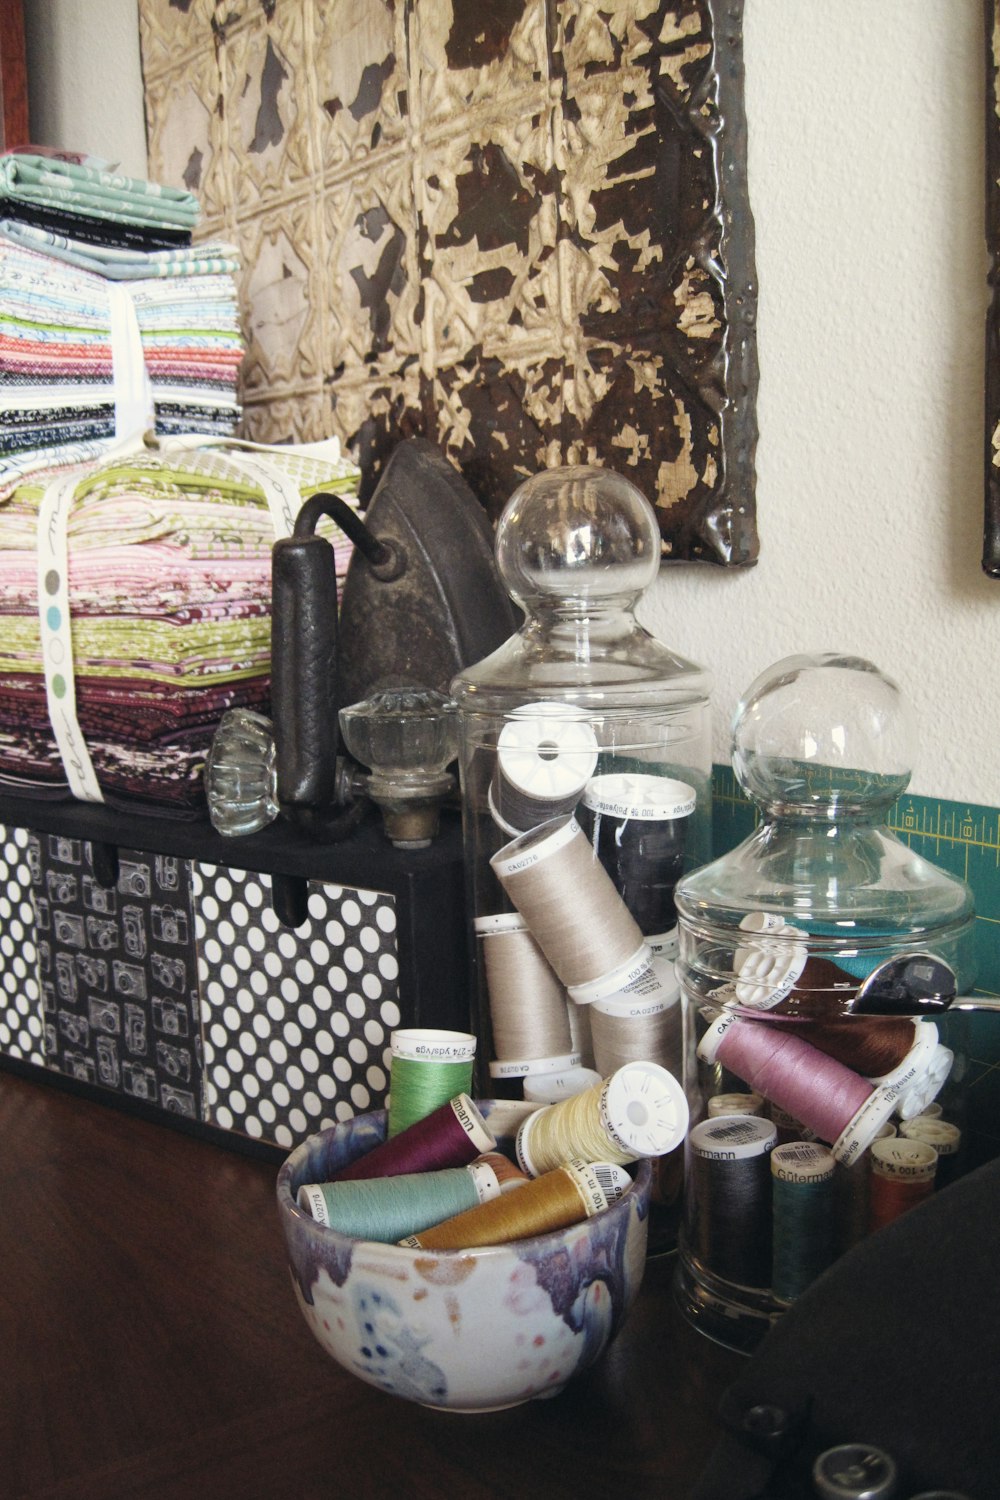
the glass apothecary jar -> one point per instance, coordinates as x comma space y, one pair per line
585, 767
814, 958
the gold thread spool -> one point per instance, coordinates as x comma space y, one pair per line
528, 1006
569, 902
553, 1201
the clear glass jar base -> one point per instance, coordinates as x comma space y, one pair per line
734, 1316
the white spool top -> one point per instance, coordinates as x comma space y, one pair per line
547, 750
500, 922
428, 1045
641, 797
802, 1161
644, 1109
912, 1161
733, 1137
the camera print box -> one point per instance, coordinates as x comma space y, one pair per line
117, 972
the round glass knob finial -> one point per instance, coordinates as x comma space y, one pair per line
823, 733
579, 532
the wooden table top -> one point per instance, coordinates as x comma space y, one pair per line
150, 1345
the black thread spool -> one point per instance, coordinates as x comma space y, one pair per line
545, 754
637, 826
728, 1211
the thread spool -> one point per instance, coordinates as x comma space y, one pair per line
566, 1195
944, 1137
834, 1103
851, 1191
869, 1046
570, 904
579, 1030
427, 1068
508, 1174
529, 1013
902, 1176
551, 1088
728, 1220
640, 1111
734, 1104
637, 827
788, 1128
450, 1136
802, 1199
545, 754
387, 1208
629, 1031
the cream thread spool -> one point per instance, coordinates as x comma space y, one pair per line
735, 1104
546, 753
529, 1012
640, 1111
571, 905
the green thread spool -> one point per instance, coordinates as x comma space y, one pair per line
802, 1201
428, 1067
387, 1209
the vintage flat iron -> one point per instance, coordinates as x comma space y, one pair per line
421, 600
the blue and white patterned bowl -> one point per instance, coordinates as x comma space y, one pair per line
462, 1330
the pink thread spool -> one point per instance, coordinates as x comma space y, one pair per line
836, 1104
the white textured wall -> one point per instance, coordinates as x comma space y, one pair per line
85, 79
866, 179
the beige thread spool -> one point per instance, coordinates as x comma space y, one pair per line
529, 1011
645, 1022
570, 904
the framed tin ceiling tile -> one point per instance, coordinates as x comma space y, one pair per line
168, 29
186, 134
463, 56
360, 81
266, 100
373, 288
282, 271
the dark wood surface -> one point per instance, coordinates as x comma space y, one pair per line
150, 1346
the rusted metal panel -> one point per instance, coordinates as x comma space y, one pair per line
520, 230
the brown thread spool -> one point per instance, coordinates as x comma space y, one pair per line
564, 1196
528, 1006
851, 1194
569, 902
902, 1176
507, 1173
871, 1047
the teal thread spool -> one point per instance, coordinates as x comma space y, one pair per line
387, 1209
802, 1200
428, 1067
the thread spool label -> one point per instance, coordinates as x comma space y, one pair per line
472, 1123
586, 1181
312, 1200
534, 847
799, 1161
528, 1067
484, 1180
433, 1046
904, 1160
733, 1138
650, 799
635, 976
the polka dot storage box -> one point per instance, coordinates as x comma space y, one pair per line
137, 961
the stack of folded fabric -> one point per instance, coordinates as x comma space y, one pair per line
169, 558
111, 321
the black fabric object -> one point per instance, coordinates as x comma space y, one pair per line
896, 1345
92, 230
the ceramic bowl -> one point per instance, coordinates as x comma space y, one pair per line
461, 1330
